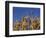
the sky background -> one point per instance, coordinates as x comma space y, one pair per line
19, 12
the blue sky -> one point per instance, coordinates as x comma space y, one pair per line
19, 12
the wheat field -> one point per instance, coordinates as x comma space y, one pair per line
27, 23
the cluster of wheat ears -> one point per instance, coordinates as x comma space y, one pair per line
30, 24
